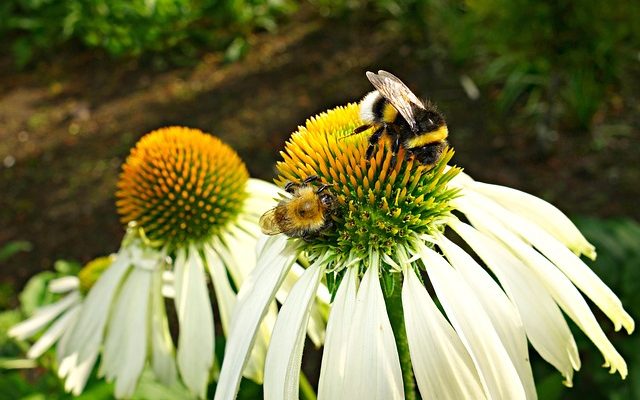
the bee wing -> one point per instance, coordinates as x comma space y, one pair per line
269, 224
396, 93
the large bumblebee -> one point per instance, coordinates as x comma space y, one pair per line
305, 214
392, 110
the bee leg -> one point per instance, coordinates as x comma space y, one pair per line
322, 188
395, 147
291, 187
373, 140
361, 128
310, 179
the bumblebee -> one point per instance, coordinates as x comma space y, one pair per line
305, 214
392, 110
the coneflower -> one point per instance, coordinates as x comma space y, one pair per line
409, 302
192, 211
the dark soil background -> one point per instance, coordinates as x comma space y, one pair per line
67, 125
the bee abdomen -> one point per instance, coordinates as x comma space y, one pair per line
429, 154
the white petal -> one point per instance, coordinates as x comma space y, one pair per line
76, 374
168, 284
541, 213
53, 333
497, 373
195, 316
162, 350
238, 256
576, 270
334, 355
89, 329
563, 291
125, 345
225, 296
442, 366
61, 347
372, 367
254, 369
253, 299
316, 327
282, 366
546, 328
43, 316
503, 314
226, 300
64, 284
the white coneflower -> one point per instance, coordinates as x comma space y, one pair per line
60, 317
192, 210
386, 257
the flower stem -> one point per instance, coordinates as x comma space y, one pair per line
396, 316
306, 390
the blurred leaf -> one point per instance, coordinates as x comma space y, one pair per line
65, 267
151, 389
236, 50
14, 247
550, 388
35, 292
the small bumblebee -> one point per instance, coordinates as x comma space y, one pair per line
394, 111
305, 214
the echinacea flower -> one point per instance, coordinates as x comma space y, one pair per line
192, 211
408, 301
60, 317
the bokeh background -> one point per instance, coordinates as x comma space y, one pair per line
542, 96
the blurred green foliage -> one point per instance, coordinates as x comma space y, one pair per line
176, 28
556, 60
618, 265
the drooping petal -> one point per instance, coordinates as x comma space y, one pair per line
76, 374
195, 316
570, 264
442, 366
236, 255
54, 333
226, 301
64, 284
334, 355
497, 373
372, 367
282, 366
316, 327
254, 298
541, 213
562, 290
162, 349
503, 314
125, 345
43, 316
88, 331
225, 296
61, 347
546, 328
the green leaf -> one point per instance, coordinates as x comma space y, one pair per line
35, 292
149, 388
14, 247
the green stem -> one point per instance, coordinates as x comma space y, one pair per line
306, 390
396, 316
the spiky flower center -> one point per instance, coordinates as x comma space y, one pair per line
379, 207
181, 185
